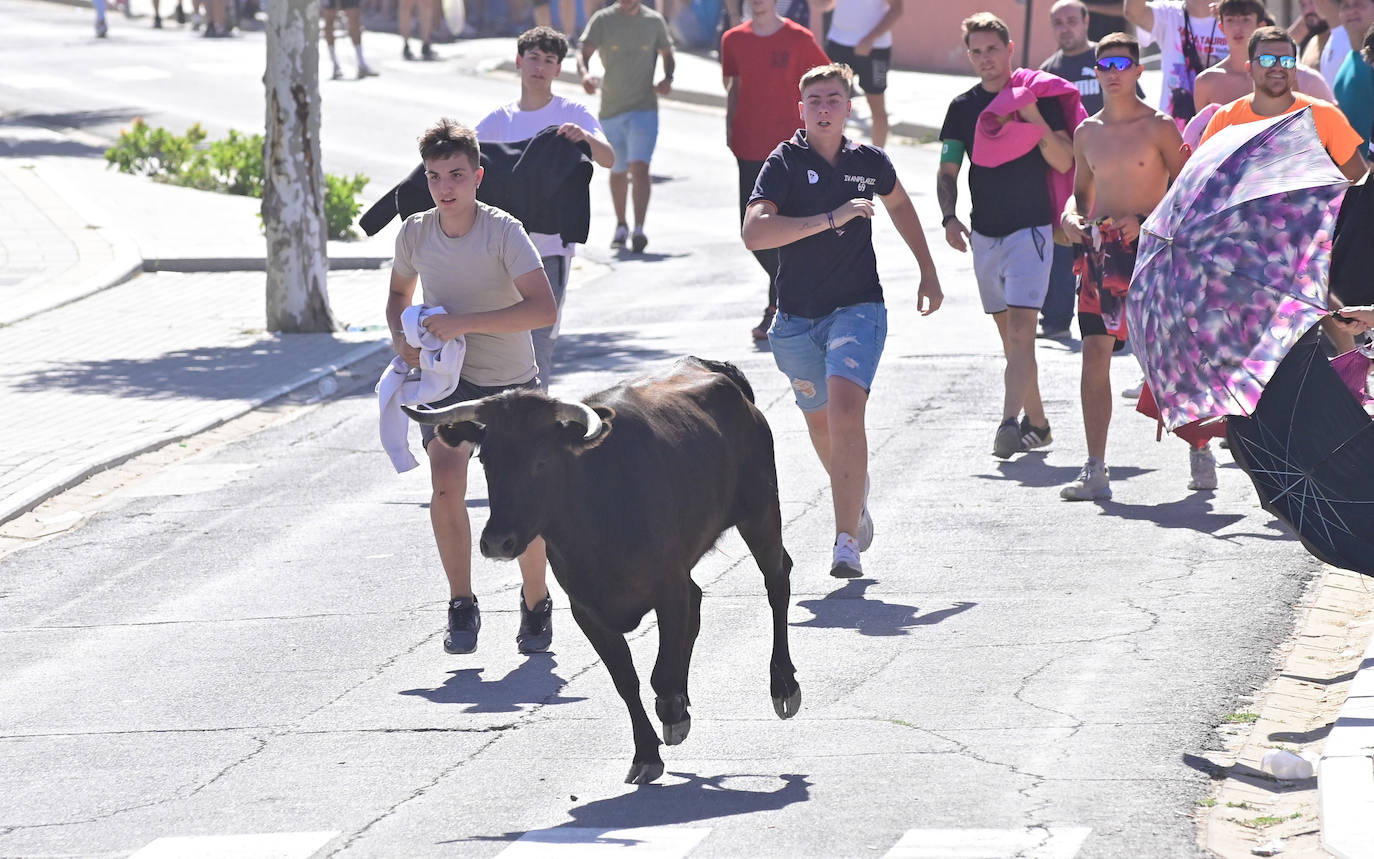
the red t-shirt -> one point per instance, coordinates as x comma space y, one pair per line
767, 70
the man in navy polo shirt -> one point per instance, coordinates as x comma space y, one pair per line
813, 201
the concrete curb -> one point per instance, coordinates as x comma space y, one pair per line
36, 492
193, 265
896, 127
1345, 774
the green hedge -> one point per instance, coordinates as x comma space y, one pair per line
232, 166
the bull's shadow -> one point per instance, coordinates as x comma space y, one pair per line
698, 798
849, 608
532, 682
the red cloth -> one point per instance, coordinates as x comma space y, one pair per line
766, 69
1196, 433
996, 142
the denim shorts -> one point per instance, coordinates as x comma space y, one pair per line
847, 343
633, 136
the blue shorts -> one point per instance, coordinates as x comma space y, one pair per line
847, 343
633, 136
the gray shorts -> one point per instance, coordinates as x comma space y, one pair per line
468, 391
1014, 270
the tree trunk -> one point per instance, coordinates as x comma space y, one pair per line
293, 193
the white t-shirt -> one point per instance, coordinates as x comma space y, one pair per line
508, 123
1337, 48
1168, 32
854, 19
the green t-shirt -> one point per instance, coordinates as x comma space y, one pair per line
629, 46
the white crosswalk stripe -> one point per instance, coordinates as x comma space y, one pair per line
274, 845
1053, 842
648, 842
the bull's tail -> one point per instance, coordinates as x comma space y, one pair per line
729, 371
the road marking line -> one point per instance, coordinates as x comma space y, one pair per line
274, 845
1053, 842
658, 842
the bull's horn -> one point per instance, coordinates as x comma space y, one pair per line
455, 414
582, 415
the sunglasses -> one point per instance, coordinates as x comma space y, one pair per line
1115, 64
1267, 61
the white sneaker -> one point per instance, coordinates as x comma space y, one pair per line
1093, 483
1204, 468
622, 235
865, 533
1133, 392
846, 558
338, 73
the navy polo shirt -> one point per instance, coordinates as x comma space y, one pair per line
825, 271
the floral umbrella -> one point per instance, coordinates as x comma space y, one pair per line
1232, 266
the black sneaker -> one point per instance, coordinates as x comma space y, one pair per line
536, 625
180, 14
638, 241
405, 51
464, 620
1034, 436
427, 53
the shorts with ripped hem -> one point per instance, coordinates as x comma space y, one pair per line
847, 342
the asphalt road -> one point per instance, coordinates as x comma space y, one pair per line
247, 642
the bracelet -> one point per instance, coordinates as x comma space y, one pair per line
944, 222
830, 216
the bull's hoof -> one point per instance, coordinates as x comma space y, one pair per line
787, 707
677, 731
644, 773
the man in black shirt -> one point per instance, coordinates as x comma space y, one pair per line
813, 201
1012, 219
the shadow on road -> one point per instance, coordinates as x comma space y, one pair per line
1247, 774
532, 682
59, 122
1193, 513
699, 798
610, 351
211, 373
849, 608
1031, 469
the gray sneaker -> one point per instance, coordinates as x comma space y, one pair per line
1093, 483
865, 534
464, 621
1203, 467
1008, 439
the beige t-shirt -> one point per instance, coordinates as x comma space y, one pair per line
474, 273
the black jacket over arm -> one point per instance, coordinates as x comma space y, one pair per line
542, 182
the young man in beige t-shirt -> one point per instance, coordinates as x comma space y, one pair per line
478, 263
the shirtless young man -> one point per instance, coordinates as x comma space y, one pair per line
1126, 157
1229, 79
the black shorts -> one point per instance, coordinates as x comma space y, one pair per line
468, 391
871, 70
338, 4
1091, 323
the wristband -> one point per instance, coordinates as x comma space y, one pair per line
944, 222
830, 216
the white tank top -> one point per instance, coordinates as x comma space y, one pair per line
854, 19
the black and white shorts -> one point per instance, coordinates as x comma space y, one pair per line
871, 70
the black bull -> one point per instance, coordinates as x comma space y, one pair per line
628, 492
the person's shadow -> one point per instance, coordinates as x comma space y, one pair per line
848, 608
532, 682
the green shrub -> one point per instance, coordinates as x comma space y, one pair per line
341, 203
233, 165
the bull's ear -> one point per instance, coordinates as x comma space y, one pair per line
575, 431
467, 431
